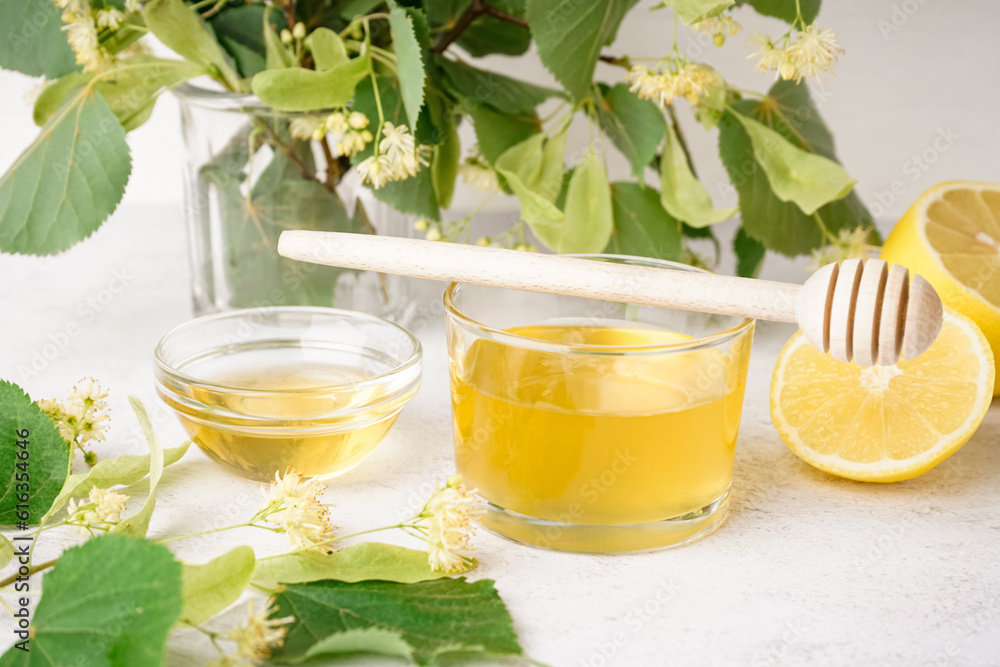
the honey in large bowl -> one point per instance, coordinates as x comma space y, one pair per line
593, 426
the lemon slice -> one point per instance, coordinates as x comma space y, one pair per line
951, 236
883, 423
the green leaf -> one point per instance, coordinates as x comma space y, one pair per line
35, 458
54, 95
409, 62
486, 34
108, 602
533, 170
782, 226
589, 213
795, 174
239, 30
276, 55
368, 640
570, 35
681, 193
137, 524
130, 91
211, 587
182, 29
523, 161
328, 49
359, 562
642, 226
749, 254
67, 182
588, 221
501, 92
635, 126
444, 164
690, 11
298, 89
786, 9
34, 41
119, 471
434, 618
496, 132
6, 551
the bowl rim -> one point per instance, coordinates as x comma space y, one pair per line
518, 340
413, 360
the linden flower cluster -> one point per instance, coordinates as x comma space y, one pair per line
255, 640
446, 523
82, 417
688, 80
813, 52
351, 130
718, 27
293, 504
849, 244
398, 157
83, 24
101, 510
475, 173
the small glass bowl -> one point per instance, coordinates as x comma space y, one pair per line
266, 389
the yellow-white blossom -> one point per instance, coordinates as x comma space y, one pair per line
719, 25
304, 127
478, 175
82, 416
374, 171
353, 141
255, 640
81, 29
814, 51
336, 124
101, 509
398, 157
849, 244
433, 234
689, 81
447, 520
358, 120
110, 18
293, 504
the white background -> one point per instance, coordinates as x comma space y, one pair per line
911, 70
808, 569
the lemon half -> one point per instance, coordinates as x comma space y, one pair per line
951, 236
883, 423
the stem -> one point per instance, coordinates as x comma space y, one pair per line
289, 8
31, 570
332, 167
284, 148
206, 532
617, 61
381, 114
822, 226
680, 139
343, 537
476, 9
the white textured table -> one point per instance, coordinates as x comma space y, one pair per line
808, 569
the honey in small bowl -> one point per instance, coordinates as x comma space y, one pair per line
263, 390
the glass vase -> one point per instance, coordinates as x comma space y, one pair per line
247, 179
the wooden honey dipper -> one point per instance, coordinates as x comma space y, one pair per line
858, 310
